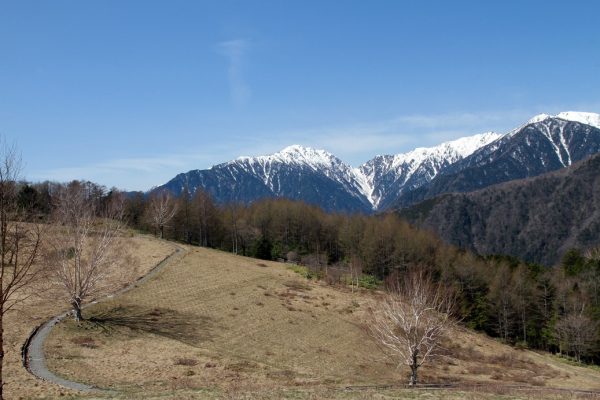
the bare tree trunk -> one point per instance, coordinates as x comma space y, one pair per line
414, 365
1, 352
19, 244
413, 374
523, 321
76, 304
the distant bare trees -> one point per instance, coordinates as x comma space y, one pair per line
411, 320
161, 210
84, 245
204, 214
20, 245
576, 333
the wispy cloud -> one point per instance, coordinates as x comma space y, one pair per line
235, 51
125, 173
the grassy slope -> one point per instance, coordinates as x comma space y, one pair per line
215, 325
18, 324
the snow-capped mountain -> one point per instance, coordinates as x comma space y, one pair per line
319, 161
586, 118
318, 177
390, 175
545, 143
296, 172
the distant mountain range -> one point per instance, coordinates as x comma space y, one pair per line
535, 219
545, 143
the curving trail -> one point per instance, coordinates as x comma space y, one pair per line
33, 349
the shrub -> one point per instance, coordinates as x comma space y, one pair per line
303, 271
369, 282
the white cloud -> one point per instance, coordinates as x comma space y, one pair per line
125, 173
235, 51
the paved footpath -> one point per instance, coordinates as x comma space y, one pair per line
33, 353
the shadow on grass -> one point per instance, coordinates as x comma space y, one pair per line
130, 320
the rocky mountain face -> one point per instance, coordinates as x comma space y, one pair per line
545, 143
390, 176
320, 178
536, 219
296, 172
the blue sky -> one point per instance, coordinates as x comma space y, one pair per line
129, 93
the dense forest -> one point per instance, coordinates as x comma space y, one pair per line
537, 219
551, 308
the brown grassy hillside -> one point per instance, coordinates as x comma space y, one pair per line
145, 252
214, 325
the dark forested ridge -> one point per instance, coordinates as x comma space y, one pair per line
536, 219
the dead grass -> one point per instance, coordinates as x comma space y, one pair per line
19, 384
190, 362
304, 340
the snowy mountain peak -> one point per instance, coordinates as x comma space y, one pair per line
450, 151
306, 154
545, 143
538, 118
586, 118
295, 154
384, 177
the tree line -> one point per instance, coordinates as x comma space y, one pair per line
555, 309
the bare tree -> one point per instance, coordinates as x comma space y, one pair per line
204, 215
84, 247
355, 267
592, 253
576, 332
162, 208
19, 246
232, 218
412, 319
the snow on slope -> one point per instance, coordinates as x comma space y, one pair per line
591, 119
320, 161
296, 154
415, 167
380, 180
557, 137
586, 118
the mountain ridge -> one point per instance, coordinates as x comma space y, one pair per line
399, 180
533, 218
542, 145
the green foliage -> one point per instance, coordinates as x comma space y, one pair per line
476, 312
369, 282
263, 249
277, 251
303, 271
573, 262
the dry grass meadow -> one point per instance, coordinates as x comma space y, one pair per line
144, 252
214, 325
